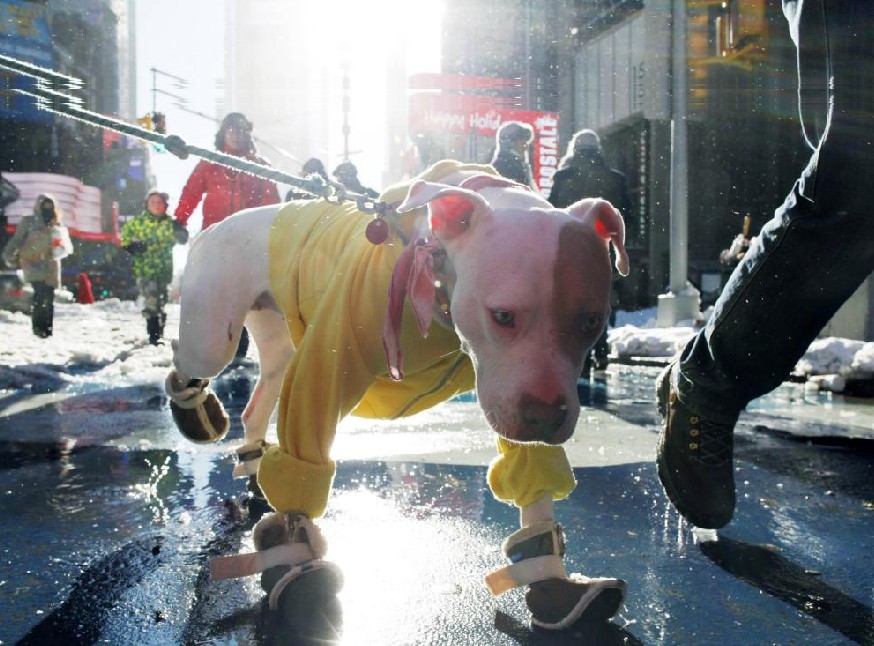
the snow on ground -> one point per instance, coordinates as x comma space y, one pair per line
104, 345
101, 345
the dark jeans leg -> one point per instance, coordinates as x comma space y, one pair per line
818, 248
154, 294
43, 314
243, 345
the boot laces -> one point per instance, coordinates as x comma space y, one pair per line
714, 441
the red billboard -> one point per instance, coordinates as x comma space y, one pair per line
474, 119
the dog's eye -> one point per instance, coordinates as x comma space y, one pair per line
503, 318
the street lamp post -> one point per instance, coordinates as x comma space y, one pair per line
347, 108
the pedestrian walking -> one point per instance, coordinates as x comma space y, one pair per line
511, 154
312, 166
37, 247
583, 173
150, 238
806, 261
347, 174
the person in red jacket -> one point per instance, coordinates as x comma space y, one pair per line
225, 191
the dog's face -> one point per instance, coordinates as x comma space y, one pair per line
531, 296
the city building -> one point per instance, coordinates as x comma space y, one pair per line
96, 173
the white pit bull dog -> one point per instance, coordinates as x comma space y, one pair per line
519, 291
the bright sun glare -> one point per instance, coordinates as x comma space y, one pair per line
375, 43
378, 43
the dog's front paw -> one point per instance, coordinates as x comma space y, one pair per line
556, 604
555, 600
198, 413
304, 574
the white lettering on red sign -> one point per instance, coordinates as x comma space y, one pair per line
546, 153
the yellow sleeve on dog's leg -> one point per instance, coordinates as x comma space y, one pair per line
341, 302
524, 473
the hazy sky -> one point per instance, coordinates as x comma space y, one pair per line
184, 38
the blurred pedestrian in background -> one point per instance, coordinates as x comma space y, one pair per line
583, 173
511, 154
39, 244
84, 293
149, 238
311, 166
347, 174
225, 191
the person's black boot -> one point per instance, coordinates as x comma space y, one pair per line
695, 460
154, 329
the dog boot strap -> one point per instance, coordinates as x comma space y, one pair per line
304, 542
189, 396
240, 565
536, 553
249, 457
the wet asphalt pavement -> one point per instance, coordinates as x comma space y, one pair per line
110, 520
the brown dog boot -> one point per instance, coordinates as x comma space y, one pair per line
289, 558
556, 604
197, 411
556, 601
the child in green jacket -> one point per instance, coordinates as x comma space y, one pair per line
149, 238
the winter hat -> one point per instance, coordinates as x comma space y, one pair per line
586, 140
346, 170
513, 131
314, 165
237, 121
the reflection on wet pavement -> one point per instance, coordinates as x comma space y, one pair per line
108, 538
764, 567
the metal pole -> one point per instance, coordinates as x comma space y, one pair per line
682, 302
347, 107
679, 154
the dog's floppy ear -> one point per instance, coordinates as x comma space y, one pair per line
608, 224
451, 209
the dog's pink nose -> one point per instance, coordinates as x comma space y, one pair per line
542, 420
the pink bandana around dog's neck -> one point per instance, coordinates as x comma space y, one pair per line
413, 276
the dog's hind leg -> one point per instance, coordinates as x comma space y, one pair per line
275, 351
208, 334
200, 353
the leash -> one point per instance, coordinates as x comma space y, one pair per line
50, 95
